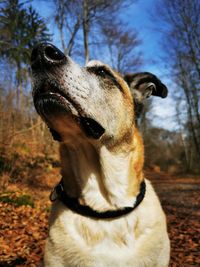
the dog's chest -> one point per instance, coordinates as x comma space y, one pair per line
93, 240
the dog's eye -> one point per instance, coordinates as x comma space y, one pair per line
102, 72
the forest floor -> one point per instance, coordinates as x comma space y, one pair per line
24, 211
180, 198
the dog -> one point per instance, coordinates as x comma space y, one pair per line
104, 212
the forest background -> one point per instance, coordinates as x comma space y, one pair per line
115, 32
102, 30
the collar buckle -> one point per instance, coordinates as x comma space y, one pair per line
56, 192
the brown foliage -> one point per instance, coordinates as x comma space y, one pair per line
24, 227
180, 197
22, 234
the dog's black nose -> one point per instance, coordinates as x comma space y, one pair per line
46, 53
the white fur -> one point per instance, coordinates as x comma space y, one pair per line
115, 177
150, 248
144, 230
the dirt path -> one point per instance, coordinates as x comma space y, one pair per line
23, 229
180, 197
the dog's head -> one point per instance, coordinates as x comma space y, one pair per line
92, 101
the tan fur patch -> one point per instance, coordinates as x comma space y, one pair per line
90, 236
136, 164
136, 230
120, 240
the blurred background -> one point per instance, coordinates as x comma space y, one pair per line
162, 37
159, 36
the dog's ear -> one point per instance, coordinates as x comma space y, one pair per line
146, 84
143, 85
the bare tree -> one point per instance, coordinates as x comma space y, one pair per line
182, 46
68, 18
78, 19
122, 45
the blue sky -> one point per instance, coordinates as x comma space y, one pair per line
140, 17
137, 16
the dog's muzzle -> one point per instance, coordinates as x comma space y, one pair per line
50, 99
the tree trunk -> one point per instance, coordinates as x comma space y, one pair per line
86, 30
71, 40
189, 104
61, 37
19, 86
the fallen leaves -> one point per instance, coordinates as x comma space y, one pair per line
180, 199
23, 228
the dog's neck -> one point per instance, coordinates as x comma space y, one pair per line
101, 178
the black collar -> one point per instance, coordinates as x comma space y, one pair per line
74, 205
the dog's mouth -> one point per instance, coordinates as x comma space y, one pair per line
50, 100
